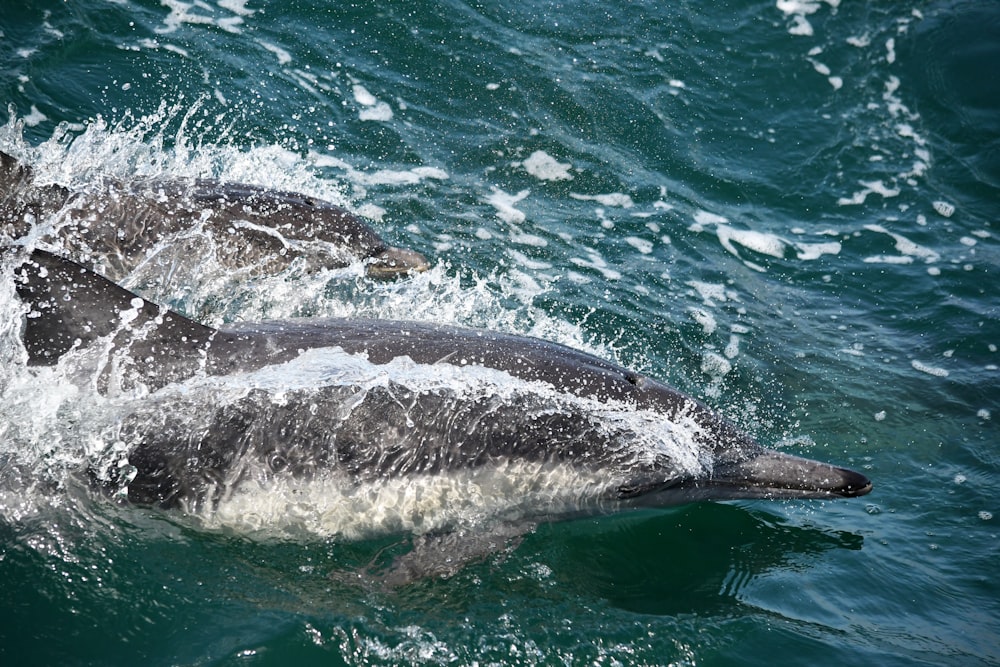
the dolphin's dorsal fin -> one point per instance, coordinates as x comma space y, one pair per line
71, 306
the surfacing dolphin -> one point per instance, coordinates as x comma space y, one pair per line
114, 227
516, 429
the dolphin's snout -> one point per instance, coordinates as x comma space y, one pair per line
772, 474
394, 261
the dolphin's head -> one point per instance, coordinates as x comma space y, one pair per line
743, 468
392, 262
734, 464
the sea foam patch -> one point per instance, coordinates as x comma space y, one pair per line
394, 177
615, 199
504, 202
194, 13
372, 108
796, 11
544, 167
909, 251
761, 243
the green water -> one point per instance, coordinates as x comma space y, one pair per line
786, 209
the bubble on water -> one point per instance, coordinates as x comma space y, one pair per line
944, 208
930, 370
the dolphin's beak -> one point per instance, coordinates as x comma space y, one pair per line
393, 262
772, 474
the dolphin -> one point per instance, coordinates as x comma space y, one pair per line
114, 227
529, 429
461, 437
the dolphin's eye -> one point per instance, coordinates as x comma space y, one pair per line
277, 462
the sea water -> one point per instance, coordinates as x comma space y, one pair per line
788, 209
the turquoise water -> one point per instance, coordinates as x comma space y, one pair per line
787, 209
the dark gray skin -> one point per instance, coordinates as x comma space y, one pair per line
112, 226
393, 431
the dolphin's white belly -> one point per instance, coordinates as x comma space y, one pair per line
331, 506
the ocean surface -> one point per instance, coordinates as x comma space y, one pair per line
789, 209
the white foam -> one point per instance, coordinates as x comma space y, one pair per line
173, 48
821, 68
598, 263
797, 10
930, 370
763, 243
760, 242
890, 50
706, 218
238, 7
907, 131
523, 238
284, 57
504, 202
363, 97
887, 259
606, 222
705, 319
373, 108
642, 245
732, 349
800, 26
792, 7
616, 199
908, 248
526, 262
943, 208
543, 166
34, 117
381, 177
711, 292
716, 367
870, 187
182, 13
810, 251
380, 112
